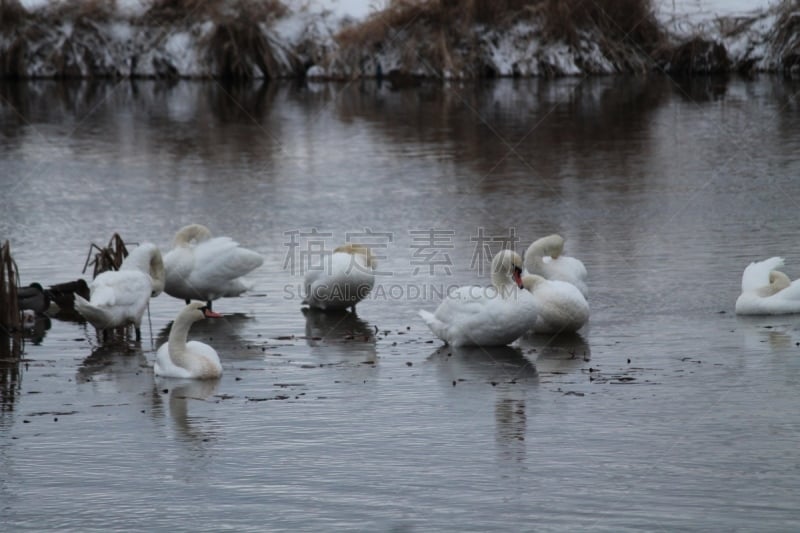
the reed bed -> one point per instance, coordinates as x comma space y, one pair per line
10, 317
232, 38
446, 35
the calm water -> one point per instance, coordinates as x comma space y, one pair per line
665, 413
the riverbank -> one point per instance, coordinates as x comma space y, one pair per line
404, 41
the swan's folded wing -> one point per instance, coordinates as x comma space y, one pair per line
786, 300
120, 288
221, 259
311, 277
756, 275
462, 305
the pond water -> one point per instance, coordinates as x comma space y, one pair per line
666, 412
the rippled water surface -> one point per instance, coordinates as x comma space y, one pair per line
667, 412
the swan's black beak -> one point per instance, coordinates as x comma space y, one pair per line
209, 313
517, 275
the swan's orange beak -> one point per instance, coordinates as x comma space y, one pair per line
210, 314
517, 275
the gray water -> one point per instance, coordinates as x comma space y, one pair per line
667, 412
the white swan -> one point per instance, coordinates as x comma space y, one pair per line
202, 267
180, 359
486, 316
544, 258
346, 278
767, 291
560, 305
118, 298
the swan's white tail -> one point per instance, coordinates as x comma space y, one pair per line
437, 326
96, 316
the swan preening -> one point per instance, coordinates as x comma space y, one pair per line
345, 278
180, 359
560, 306
486, 316
768, 291
118, 298
558, 284
202, 267
545, 258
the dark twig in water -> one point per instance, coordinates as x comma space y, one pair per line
108, 258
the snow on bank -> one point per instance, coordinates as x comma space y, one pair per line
126, 41
756, 35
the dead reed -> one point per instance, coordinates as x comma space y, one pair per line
443, 34
105, 259
9, 279
786, 41
10, 318
108, 258
238, 44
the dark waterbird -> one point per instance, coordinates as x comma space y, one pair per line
63, 294
33, 297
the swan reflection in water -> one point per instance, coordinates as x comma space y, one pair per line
483, 363
117, 374
116, 362
508, 372
181, 392
776, 332
557, 354
339, 333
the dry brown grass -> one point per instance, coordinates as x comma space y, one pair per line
11, 12
442, 32
237, 47
623, 21
108, 258
10, 319
786, 42
170, 11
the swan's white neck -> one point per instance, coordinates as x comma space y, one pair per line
504, 266
191, 233
550, 246
503, 283
177, 340
777, 282
147, 258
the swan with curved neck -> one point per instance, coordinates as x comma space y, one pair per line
561, 306
118, 298
486, 316
544, 257
203, 267
178, 358
345, 278
768, 291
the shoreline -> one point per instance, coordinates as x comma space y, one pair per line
404, 43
